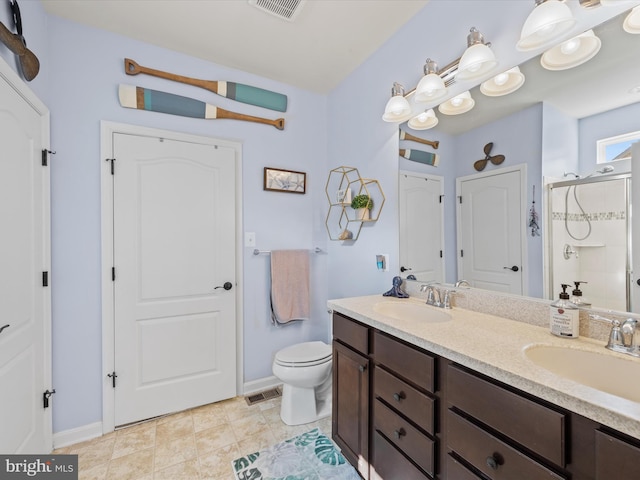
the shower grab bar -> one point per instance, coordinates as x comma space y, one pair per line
268, 252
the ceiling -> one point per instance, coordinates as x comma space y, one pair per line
326, 41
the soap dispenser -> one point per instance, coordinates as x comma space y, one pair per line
577, 298
564, 316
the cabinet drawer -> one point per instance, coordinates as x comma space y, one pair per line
534, 426
457, 471
404, 398
415, 444
389, 463
616, 458
413, 364
351, 333
480, 449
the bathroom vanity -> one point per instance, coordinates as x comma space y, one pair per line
457, 398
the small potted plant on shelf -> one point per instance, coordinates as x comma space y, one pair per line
362, 204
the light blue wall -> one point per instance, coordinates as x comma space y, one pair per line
81, 67
605, 125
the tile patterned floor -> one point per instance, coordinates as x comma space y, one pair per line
191, 445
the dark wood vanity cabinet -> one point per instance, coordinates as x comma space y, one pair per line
400, 412
351, 372
384, 413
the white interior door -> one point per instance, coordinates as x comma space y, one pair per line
491, 229
174, 250
25, 318
421, 226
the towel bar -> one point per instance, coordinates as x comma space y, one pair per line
268, 252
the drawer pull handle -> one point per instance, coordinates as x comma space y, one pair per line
362, 368
399, 396
494, 461
399, 433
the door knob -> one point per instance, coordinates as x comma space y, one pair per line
226, 286
404, 269
513, 269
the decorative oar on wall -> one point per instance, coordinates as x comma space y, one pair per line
234, 91
407, 136
163, 102
420, 156
29, 63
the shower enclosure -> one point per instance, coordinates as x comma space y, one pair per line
589, 239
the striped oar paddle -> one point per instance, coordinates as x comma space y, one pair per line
234, 91
420, 156
163, 102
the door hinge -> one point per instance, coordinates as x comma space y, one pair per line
45, 156
45, 279
45, 397
113, 274
113, 377
462, 253
460, 199
440, 201
113, 168
440, 253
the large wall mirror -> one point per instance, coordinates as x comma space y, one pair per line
551, 125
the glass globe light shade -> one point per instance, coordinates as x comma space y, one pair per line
572, 53
397, 108
430, 87
503, 83
546, 23
424, 121
476, 61
459, 104
632, 22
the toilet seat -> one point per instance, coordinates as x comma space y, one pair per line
305, 354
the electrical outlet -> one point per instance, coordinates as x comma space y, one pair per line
249, 239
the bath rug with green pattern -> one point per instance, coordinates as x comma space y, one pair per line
310, 456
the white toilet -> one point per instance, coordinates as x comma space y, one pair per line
305, 371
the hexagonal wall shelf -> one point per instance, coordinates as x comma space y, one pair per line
343, 184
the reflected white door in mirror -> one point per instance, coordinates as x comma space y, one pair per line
491, 229
421, 222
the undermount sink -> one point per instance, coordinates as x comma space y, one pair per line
601, 371
411, 311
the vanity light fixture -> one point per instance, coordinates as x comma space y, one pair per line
549, 20
397, 108
478, 59
571, 53
431, 86
504, 83
632, 22
424, 121
459, 104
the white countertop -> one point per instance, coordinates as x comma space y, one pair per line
495, 347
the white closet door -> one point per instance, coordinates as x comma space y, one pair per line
25, 318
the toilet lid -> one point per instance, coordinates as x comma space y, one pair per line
304, 353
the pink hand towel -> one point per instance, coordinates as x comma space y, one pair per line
289, 285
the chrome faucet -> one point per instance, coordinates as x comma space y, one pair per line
624, 337
436, 297
462, 283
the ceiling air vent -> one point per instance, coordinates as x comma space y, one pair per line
284, 9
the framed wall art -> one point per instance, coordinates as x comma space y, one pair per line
277, 180
616, 148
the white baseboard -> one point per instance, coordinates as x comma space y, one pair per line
261, 384
76, 435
